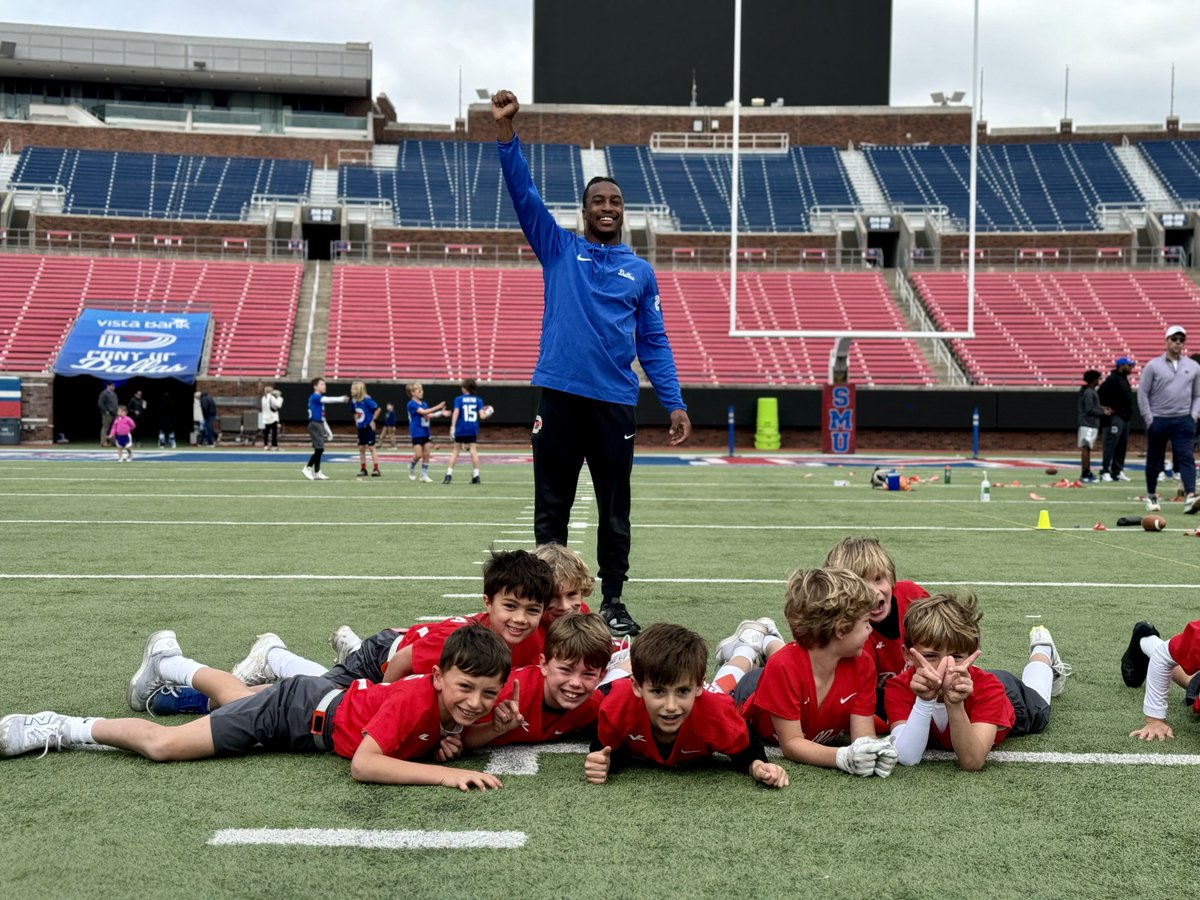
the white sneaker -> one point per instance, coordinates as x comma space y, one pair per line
344, 642
254, 668
308, 472
1121, 476
1191, 504
1040, 636
1152, 503
146, 680
772, 629
19, 733
426, 479
1105, 477
412, 474
320, 476
750, 633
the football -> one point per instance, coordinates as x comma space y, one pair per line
486, 412
1051, 470
1153, 523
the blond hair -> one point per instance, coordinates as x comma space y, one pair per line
823, 603
358, 390
412, 387
947, 623
864, 556
579, 636
570, 571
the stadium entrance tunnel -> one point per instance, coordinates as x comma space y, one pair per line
320, 239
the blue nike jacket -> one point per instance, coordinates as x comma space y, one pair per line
601, 306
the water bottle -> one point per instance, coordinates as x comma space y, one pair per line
985, 490
946, 475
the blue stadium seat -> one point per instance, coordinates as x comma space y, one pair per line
1177, 164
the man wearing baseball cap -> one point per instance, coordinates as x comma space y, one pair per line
1116, 398
1169, 400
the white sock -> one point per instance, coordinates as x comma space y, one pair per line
474, 473
1038, 676
284, 663
78, 731
772, 642
1150, 643
1045, 649
179, 669
746, 652
449, 470
729, 670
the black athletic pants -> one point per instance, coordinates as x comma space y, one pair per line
569, 431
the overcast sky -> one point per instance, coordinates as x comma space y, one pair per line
1119, 51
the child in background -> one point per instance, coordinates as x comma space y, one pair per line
965, 709
122, 434
318, 428
418, 429
572, 582
1156, 662
464, 429
818, 689
664, 715
381, 730
366, 412
389, 425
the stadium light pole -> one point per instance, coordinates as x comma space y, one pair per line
972, 191
733, 185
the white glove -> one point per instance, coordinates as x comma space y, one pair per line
328, 430
886, 757
859, 757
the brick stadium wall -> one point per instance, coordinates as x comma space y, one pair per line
1079, 240
482, 236
317, 150
182, 228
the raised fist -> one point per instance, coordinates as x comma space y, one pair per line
504, 105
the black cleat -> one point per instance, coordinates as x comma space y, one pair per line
475, 479
620, 623
1192, 697
1134, 662
362, 473
375, 473
446, 480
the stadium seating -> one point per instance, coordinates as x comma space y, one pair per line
1177, 164
253, 305
160, 185
1021, 187
1043, 328
400, 323
777, 190
457, 184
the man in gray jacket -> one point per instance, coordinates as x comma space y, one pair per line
107, 402
1087, 417
1169, 400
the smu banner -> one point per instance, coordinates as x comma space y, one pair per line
123, 345
838, 418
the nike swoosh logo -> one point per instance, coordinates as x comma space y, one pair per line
847, 697
628, 436
582, 258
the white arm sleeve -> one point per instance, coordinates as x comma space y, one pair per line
1158, 682
912, 735
327, 400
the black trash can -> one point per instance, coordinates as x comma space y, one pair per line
10, 431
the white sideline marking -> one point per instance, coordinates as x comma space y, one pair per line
370, 840
519, 759
1085, 759
231, 523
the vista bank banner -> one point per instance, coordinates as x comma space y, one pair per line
121, 345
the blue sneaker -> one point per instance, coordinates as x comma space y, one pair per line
173, 699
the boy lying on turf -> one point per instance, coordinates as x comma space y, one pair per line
556, 697
818, 689
1156, 662
942, 695
381, 729
663, 713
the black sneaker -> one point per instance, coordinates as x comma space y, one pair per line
1134, 662
375, 473
1192, 696
362, 473
620, 623
475, 480
446, 480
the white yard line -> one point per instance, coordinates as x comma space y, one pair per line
365, 839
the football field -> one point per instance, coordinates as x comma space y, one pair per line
96, 555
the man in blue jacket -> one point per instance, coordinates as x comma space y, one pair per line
601, 310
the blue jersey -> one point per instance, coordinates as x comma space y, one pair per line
364, 412
418, 426
601, 306
316, 412
389, 419
468, 407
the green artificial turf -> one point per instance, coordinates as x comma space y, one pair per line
711, 545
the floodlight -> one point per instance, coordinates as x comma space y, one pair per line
482, 93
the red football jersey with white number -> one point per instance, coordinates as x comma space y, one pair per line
404, 717
888, 653
543, 723
988, 703
713, 726
786, 689
1185, 647
427, 639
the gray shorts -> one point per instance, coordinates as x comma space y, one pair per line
1033, 712
316, 434
279, 718
369, 661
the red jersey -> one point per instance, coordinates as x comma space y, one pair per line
404, 717
426, 640
786, 689
988, 703
888, 653
543, 723
713, 726
1185, 647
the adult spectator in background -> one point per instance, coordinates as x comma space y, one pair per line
1117, 397
601, 309
1087, 417
137, 409
1169, 401
272, 402
107, 402
208, 418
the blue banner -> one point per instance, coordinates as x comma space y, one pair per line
120, 345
